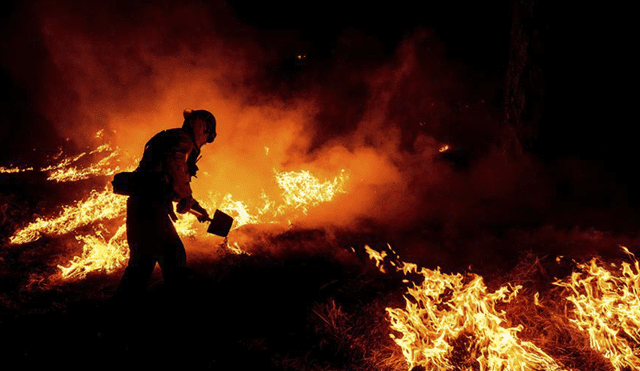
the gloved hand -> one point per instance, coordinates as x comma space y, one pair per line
204, 216
184, 205
202, 211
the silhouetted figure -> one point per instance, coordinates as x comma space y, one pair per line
166, 168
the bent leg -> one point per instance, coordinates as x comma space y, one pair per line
142, 234
136, 277
173, 260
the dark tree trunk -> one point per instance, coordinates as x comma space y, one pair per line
524, 81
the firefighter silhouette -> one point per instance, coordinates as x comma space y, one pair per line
167, 164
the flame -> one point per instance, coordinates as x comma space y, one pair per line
233, 248
299, 191
605, 304
186, 225
63, 171
536, 299
98, 206
238, 210
98, 254
70, 174
377, 257
446, 312
9, 170
64, 163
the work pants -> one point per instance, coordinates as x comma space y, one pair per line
152, 239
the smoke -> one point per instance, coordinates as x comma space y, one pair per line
133, 69
382, 116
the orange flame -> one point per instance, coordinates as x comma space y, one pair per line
63, 171
300, 190
10, 170
606, 305
377, 257
70, 174
98, 254
98, 206
447, 311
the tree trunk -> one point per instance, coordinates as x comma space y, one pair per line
524, 81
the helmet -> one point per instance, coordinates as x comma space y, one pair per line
191, 122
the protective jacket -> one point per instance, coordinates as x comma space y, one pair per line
173, 155
169, 159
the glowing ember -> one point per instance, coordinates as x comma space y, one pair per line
377, 257
9, 170
444, 148
606, 305
446, 314
233, 248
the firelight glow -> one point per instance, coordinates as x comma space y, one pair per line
106, 251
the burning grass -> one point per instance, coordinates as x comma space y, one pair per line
454, 322
604, 302
328, 311
106, 250
305, 311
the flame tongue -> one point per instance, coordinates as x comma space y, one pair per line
70, 174
301, 189
606, 305
105, 252
444, 313
98, 254
9, 170
98, 206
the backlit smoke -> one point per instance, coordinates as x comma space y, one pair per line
129, 70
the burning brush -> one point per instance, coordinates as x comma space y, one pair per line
105, 249
453, 322
448, 322
604, 302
